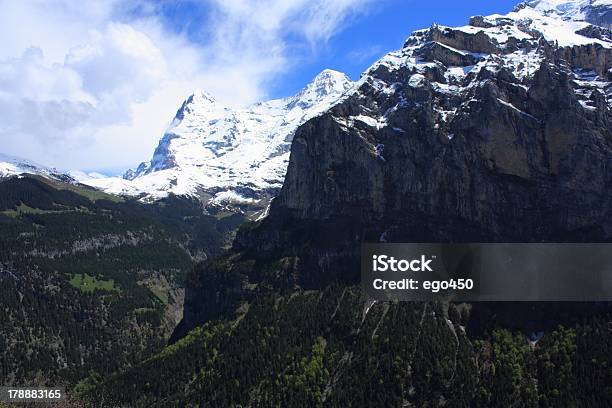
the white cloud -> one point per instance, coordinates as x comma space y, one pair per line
88, 85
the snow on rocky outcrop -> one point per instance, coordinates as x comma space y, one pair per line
453, 61
226, 155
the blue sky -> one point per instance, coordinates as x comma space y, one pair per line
381, 27
93, 85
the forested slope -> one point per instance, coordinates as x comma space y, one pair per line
91, 283
332, 348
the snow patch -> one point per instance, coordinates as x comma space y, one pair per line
227, 197
417, 81
377, 123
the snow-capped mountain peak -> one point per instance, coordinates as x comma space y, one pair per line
327, 82
198, 102
224, 154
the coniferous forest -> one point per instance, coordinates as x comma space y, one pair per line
90, 283
320, 348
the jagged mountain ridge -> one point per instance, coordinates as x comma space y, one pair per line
228, 155
11, 166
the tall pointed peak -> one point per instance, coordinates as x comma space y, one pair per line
326, 83
198, 101
331, 74
200, 96
336, 79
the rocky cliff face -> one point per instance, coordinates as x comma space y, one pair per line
489, 126
483, 132
496, 131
